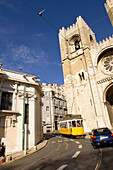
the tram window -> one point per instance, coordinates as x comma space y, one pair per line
73, 123
63, 125
79, 123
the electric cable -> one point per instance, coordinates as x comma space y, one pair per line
40, 13
42, 18
22, 71
48, 22
11, 66
38, 76
99, 20
31, 22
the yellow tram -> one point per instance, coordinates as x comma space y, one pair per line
72, 127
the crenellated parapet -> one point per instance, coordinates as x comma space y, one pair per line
101, 47
106, 41
109, 9
70, 30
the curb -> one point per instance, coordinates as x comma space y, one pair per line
15, 156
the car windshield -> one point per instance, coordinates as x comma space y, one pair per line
101, 132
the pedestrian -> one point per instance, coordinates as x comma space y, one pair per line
78, 125
3, 150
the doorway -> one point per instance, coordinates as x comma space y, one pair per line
109, 103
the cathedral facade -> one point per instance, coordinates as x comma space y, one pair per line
88, 74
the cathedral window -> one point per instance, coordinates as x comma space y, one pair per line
81, 76
77, 45
106, 64
91, 39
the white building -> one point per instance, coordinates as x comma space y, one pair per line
20, 107
54, 106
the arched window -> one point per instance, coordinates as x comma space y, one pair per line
91, 38
82, 76
77, 45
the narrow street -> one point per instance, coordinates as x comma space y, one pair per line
65, 153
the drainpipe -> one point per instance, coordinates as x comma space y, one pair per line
23, 119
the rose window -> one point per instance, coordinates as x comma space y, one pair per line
106, 64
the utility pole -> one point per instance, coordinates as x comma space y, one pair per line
23, 118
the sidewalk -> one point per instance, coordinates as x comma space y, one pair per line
21, 154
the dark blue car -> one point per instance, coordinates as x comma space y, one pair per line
101, 137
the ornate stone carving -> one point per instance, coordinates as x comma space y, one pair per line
106, 65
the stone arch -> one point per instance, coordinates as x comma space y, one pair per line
74, 42
108, 100
73, 38
104, 51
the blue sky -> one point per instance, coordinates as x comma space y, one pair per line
26, 40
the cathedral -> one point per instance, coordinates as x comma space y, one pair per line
88, 73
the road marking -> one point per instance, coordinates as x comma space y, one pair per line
59, 140
80, 146
62, 167
29, 165
99, 160
71, 139
77, 142
66, 140
62, 151
53, 142
76, 154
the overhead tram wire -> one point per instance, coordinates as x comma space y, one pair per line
21, 68
24, 71
99, 20
20, 35
40, 14
46, 7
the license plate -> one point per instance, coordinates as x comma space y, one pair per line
103, 137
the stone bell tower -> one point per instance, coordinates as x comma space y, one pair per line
109, 9
78, 71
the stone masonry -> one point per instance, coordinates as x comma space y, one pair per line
88, 69
109, 9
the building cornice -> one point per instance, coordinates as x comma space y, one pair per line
105, 80
8, 113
